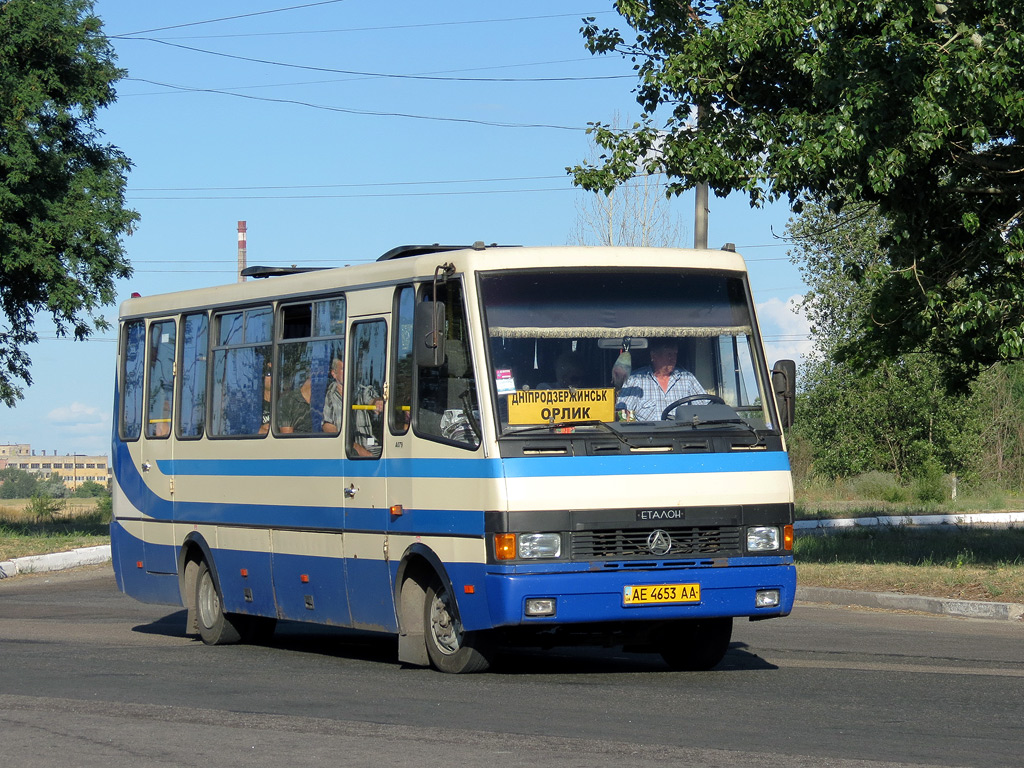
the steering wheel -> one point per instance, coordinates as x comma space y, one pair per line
689, 399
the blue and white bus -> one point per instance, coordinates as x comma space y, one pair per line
434, 445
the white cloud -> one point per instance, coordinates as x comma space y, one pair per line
787, 333
77, 415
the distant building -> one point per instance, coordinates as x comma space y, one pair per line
74, 469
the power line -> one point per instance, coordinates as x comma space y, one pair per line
386, 75
373, 29
343, 186
371, 113
352, 196
230, 18
355, 79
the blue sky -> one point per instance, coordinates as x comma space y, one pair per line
340, 156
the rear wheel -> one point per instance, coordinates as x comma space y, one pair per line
696, 644
450, 647
215, 627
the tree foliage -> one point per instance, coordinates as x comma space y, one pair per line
896, 417
915, 107
62, 211
17, 483
89, 489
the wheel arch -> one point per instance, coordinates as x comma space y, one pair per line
194, 549
419, 565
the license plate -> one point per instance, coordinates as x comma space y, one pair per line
660, 594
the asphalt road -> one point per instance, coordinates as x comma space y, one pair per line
89, 677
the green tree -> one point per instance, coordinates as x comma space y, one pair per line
89, 489
999, 402
916, 107
62, 211
16, 483
895, 416
52, 487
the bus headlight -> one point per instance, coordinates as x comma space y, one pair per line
533, 546
762, 538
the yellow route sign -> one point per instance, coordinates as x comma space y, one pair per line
552, 406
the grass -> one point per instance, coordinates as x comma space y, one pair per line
877, 493
77, 523
967, 563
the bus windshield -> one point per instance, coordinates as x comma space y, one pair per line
575, 349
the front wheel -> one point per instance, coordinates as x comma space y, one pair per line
215, 627
697, 644
450, 647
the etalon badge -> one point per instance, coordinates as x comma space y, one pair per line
659, 542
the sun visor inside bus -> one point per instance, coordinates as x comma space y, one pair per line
636, 304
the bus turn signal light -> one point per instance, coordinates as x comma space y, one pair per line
505, 546
787, 538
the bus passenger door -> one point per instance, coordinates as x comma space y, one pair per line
157, 448
367, 518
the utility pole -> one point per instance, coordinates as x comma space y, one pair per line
700, 207
241, 250
700, 216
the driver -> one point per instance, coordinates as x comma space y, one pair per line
649, 390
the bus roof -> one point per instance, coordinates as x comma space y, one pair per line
417, 263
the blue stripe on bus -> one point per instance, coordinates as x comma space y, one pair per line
646, 464
483, 469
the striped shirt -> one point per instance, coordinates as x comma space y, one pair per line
642, 394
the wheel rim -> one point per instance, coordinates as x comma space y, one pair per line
209, 601
444, 628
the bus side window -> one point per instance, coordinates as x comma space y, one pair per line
132, 368
446, 399
400, 398
365, 390
161, 379
195, 331
310, 349
241, 367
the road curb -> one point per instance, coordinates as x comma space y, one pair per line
895, 521
56, 561
892, 601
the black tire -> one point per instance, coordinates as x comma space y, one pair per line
450, 648
215, 627
695, 645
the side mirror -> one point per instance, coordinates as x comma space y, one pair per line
428, 334
784, 385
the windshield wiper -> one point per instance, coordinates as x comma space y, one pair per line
565, 424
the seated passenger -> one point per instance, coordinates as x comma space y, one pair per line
365, 443
569, 372
334, 401
294, 413
652, 388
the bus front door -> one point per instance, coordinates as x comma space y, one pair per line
367, 516
156, 450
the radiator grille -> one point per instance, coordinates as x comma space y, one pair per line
625, 544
